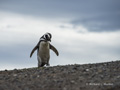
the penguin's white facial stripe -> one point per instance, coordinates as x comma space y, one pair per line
44, 36
42, 39
48, 35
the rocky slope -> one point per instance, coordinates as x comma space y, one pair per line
100, 76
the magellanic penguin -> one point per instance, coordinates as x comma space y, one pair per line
43, 50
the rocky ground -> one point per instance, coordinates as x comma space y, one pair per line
101, 76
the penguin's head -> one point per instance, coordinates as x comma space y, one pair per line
47, 37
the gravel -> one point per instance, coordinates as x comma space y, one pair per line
100, 76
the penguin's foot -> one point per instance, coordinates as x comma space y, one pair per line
47, 64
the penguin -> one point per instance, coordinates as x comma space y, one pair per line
43, 50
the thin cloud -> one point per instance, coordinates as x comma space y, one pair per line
96, 16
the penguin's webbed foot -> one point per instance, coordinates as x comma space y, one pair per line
47, 64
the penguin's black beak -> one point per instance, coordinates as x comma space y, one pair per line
48, 39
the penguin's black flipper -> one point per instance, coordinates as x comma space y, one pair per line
54, 49
35, 48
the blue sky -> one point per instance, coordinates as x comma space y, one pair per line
83, 31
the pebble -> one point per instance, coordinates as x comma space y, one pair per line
87, 70
14, 75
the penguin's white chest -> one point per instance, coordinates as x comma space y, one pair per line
44, 50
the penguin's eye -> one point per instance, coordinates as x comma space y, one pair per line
46, 36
